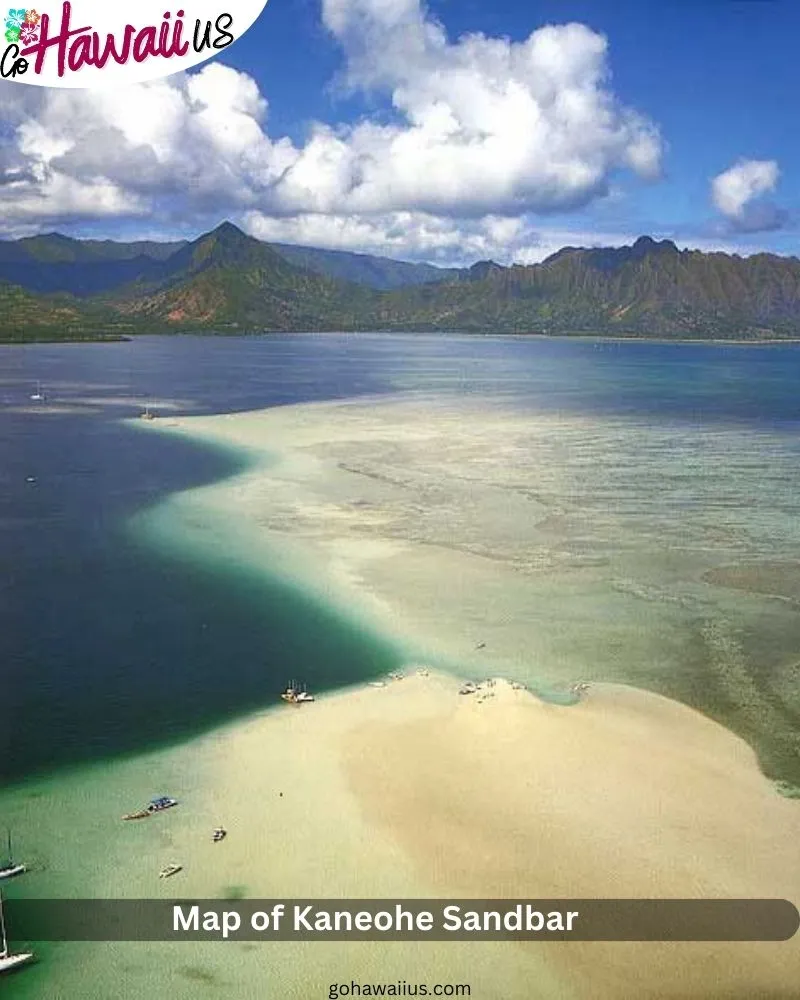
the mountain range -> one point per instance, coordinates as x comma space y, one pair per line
54, 287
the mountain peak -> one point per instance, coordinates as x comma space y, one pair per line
228, 230
646, 244
225, 245
483, 268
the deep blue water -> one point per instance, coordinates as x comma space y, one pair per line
106, 648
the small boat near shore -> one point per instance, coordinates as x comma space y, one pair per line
169, 870
297, 695
154, 806
219, 834
9, 961
11, 868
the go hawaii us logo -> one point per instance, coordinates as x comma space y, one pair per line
89, 44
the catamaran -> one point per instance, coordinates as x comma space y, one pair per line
10, 868
7, 960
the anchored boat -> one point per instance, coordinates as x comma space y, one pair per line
11, 868
297, 695
170, 870
7, 960
154, 806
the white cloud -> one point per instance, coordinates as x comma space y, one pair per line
409, 235
738, 194
485, 132
418, 236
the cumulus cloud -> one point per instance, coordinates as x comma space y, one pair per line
418, 236
483, 132
738, 194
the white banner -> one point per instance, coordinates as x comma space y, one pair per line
100, 43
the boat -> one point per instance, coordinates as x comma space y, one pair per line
38, 396
154, 806
147, 415
219, 834
161, 803
11, 868
296, 695
8, 961
170, 870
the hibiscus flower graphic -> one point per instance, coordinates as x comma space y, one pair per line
32, 17
12, 34
15, 19
28, 34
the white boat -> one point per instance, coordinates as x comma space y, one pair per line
38, 396
296, 695
170, 870
7, 960
11, 868
219, 834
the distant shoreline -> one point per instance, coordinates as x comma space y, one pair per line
614, 338
110, 339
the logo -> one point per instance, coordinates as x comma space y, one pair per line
89, 44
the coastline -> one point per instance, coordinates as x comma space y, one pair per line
613, 338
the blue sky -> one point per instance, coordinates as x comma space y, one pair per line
354, 125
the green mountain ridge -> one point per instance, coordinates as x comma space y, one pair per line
56, 263
380, 273
226, 281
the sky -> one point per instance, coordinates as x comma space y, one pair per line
449, 132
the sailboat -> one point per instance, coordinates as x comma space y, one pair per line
38, 396
10, 867
7, 960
